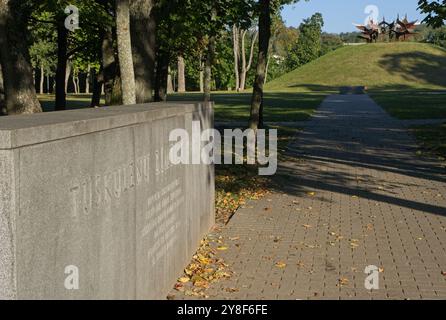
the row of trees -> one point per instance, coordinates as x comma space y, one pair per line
235, 57
126, 47
133, 50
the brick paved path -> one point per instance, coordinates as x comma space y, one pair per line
356, 195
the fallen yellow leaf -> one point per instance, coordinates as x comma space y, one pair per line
343, 282
184, 279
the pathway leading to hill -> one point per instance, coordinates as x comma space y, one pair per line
355, 195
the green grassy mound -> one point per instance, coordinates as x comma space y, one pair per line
382, 66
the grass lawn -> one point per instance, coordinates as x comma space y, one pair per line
74, 101
279, 106
383, 66
432, 139
414, 104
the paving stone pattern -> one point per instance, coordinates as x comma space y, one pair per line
352, 194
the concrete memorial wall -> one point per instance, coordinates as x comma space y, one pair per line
92, 208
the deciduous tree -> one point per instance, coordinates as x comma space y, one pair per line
309, 45
143, 34
125, 52
265, 8
436, 12
3, 110
20, 92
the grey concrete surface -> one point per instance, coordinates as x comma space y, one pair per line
95, 189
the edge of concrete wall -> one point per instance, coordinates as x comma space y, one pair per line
25, 130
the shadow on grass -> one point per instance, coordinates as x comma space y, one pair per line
432, 139
279, 106
417, 65
74, 102
408, 103
315, 87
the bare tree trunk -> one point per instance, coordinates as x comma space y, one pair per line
76, 89
143, 31
201, 74
201, 81
48, 89
67, 76
62, 65
87, 80
243, 57
208, 70
170, 88
42, 79
162, 74
181, 75
3, 110
110, 71
18, 84
246, 67
256, 118
267, 68
235, 37
97, 86
125, 52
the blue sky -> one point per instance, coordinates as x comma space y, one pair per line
339, 15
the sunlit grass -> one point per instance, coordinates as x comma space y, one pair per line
414, 104
381, 66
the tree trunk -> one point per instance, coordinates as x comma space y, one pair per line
243, 57
3, 110
256, 118
235, 37
18, 84
143, 34
62, 65
125, 52
42, 79
181, 75
246, 67
201, 81
110, 71
87, 80
201, 74
267, 68
67, 75
162, 74
208, 70
170, 86
74, 79
97, 86
48, 90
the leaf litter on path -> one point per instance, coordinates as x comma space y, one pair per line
206, 268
